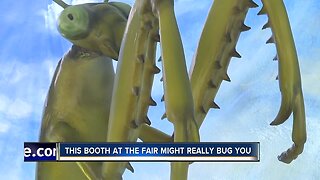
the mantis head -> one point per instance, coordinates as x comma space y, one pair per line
74, 22
97, 27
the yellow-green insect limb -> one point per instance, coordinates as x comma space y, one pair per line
216, 47
149, 69
289, 77
61, 3
177, 89
150, 134
124, 99
179, 103
132, 88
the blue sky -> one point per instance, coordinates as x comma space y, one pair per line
31, 47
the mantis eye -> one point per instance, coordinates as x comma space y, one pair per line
73, 22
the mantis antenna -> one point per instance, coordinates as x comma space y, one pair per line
61, 3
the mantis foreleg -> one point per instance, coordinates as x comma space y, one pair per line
289, 77
132, 87
177, 89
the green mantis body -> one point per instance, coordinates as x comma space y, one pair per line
78, 102
108, 30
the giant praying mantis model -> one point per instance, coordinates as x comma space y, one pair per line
79, 98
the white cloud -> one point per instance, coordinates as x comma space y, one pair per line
14, 108
4, 127
3, 103
50, 66
11, 155
310, 77
51, 16
19, 109
187, 6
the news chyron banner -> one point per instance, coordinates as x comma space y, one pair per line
210, 152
